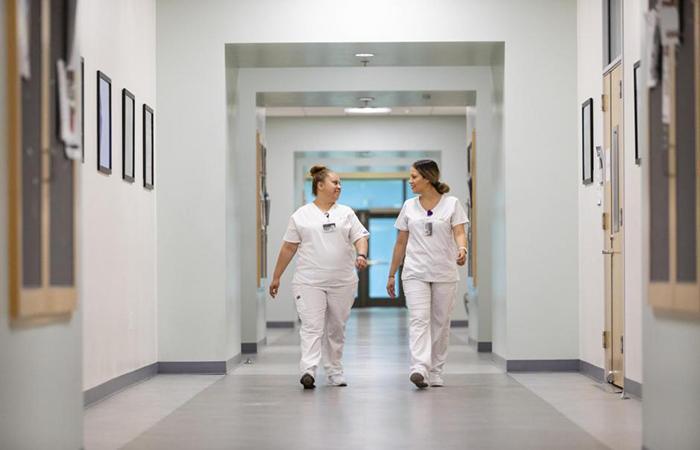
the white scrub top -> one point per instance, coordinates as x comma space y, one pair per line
326, 256
431, 252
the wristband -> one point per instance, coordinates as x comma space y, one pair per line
361, 255
464, 248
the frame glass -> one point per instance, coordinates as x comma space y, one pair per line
104, 123
587, 140
128, 135
148, 152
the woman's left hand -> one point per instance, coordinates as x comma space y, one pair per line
462, 257
360, 262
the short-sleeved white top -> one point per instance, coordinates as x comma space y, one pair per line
431, 258
326, 256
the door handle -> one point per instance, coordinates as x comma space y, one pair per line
608, 252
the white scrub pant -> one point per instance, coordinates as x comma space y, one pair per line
324, 313
429, 307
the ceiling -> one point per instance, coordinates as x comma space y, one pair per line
320, 54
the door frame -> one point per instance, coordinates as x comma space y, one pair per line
363, 299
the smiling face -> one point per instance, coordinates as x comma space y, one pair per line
417, 182
329, 188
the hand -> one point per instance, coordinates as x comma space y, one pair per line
462, 257
391, 287
274, 287
361, 263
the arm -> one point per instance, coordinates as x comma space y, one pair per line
287, 252
396, 260
361, 249
461, 240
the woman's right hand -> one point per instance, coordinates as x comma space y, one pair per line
274, 287
391, 286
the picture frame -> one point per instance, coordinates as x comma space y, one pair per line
148, 148
637, 73
587, 141
82, 109
128, 135
104, 123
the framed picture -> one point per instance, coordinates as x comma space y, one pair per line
82, 109
104, 123
637, 158
128, 135
587, 140
147, 147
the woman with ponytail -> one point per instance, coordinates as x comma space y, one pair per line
431, 244
331, 243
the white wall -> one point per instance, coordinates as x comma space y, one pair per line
118, 254
539, 124
251, 81
285, 136
591, 271
41, 403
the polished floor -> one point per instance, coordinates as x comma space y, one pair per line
260, 405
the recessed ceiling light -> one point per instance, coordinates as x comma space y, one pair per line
368, 110
364, 55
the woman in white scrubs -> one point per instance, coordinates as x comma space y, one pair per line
331, 243
431, 243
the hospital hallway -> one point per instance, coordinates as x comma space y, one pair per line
262, 405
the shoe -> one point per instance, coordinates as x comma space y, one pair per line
307, 380
337, 380
436, 380
419, 380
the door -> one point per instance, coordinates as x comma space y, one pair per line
372, 287
613, 226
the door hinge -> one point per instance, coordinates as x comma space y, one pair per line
605, 221
620, 88
622, 344
605, 339
602, 102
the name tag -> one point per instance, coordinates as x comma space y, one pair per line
328, 227
428, 228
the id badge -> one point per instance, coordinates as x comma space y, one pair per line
428, 228
328, 227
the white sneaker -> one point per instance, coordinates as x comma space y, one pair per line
337, 380
436, 380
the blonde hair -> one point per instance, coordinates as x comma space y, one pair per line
319, 174
428, 169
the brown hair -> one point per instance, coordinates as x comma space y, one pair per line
318, 173
429, 170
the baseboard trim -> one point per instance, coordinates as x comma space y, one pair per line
484, 347
633, 388
193, 367
108, 388
280, 324
542, 365
248, 348
459, 324
592, 371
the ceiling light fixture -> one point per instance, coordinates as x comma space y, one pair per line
364, 55
366, 109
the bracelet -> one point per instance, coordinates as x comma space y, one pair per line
392, 276
464, 248
360, 255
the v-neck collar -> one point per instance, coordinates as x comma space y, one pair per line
333, 206
420, 205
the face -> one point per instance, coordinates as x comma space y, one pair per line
329, 187
417, 182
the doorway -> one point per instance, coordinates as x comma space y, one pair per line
613, 226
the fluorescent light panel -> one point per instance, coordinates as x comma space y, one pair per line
367, 110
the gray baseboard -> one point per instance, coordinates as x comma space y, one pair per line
592, 371
280, 324
248, 348
542, 365
459, 323
484, 347
633, 388
193, 367
104, 390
